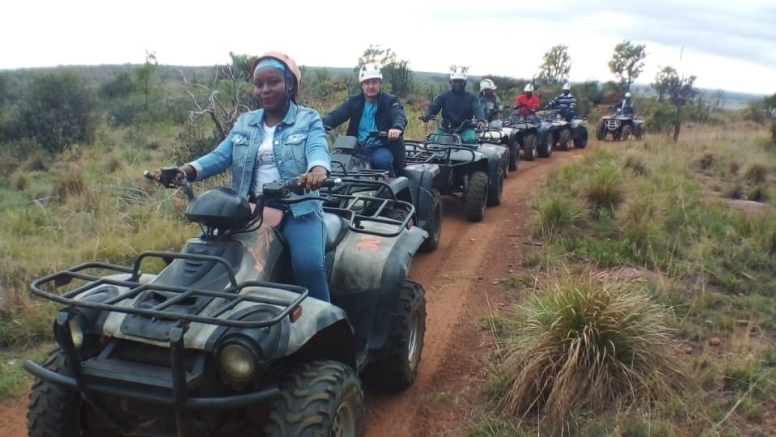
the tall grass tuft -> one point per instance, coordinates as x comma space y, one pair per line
557, 213
585, 346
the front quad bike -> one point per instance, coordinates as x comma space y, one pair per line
620, 126
474, 173
414, 187
217, 344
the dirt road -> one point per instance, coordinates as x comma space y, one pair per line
460, 278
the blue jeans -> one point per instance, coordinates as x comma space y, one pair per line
381, 158
306, 239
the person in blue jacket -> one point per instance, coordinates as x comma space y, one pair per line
459, 107
279, 141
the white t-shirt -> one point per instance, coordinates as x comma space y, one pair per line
266, 169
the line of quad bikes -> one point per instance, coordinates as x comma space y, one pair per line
220, 341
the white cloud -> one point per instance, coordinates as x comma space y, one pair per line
500, 37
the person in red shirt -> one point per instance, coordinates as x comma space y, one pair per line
527, 103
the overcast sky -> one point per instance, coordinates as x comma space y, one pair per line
727, 44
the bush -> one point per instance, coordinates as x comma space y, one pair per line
585, 347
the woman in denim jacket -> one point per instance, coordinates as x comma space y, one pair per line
278, 142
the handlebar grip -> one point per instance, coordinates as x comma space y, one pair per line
148, 174
332, 182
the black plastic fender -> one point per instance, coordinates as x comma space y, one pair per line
421, 178
496, 156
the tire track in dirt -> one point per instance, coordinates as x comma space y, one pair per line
457, 278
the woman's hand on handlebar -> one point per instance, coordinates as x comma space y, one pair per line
313, 179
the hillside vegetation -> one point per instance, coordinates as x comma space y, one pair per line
649, 309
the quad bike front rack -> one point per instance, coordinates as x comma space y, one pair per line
232, 295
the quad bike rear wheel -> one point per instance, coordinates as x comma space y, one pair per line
529, 147
476, 196
580, 142
434, 227
321, 398
398, 369
545, 150
496, 192
564, 139
514, 150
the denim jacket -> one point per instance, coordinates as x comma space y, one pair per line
299, 145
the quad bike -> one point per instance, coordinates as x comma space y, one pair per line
472, 172
498, 132
218, 343
620, 126
414, 186
523, 133
556, 130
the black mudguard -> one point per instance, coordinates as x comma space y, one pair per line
421, 179
367, 275
496, 156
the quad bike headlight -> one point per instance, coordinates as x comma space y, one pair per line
237, 361
76, 332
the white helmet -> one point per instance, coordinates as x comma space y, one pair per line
487, 84
628, 95
458, 73
528, 88
369, 71
566, 87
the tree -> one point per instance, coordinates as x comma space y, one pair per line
146, 75
59, 110
660, 85
556, 66
678, 89
627, 62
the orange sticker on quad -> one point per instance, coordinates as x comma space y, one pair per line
368, 242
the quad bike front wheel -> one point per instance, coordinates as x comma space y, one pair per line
626, 132
321, 398
476, 196
529, 147
434, 227
514, 151
600, 133
398, 369
56, 411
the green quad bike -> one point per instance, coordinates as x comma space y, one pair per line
473, 173
413, 185
219, 343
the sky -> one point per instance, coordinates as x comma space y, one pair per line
727, 44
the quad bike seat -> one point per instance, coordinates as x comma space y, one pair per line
336, 228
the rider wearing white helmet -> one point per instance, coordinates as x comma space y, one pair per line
566, 102
490, 102
374, 110
458, 108
626, 104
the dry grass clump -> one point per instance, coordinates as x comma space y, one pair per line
587, 346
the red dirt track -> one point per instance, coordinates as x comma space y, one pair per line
460, 289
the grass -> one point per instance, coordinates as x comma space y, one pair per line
680, 346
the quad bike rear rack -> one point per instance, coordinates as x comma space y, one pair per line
442, 153
351, 202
